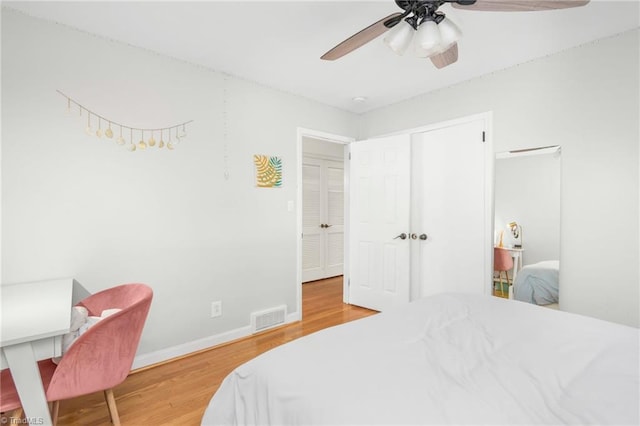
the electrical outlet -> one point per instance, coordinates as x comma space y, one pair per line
216, 309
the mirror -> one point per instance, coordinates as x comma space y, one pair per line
527, 225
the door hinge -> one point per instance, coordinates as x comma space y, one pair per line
301, 235
349, 156
483, 136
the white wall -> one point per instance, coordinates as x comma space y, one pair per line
585, 99
74, 205
527, 190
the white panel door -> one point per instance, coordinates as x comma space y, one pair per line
312, 237
379, 195
448, 206
322, 218
334, 230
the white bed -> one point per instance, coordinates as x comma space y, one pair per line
538, 283
446, 359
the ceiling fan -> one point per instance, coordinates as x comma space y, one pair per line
434, 36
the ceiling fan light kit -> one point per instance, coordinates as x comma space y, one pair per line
399, 38
432, 34
449, 32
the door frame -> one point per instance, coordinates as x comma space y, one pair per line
332, 138
489, 201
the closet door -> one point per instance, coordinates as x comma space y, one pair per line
334, 232
448, 207
379, 223
322, 218
419, 222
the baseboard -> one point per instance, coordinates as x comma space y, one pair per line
163, 355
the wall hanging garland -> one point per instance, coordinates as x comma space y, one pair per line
174, 134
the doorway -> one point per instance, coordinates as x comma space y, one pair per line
322, 210
322, 206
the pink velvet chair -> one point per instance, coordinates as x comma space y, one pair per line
502, 262
100, 358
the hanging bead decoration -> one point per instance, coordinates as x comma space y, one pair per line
225, 127
109, 133
120, 140
88, 130
161, 143
131, 146
142, 144
180, 130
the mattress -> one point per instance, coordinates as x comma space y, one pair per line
446, 359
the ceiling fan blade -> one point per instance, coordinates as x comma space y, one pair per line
445, 58
520, 5
360, 38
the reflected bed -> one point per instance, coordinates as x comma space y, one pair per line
538, 283
445, 359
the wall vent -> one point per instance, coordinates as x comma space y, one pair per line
268, 318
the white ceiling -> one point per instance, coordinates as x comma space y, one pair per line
279, 44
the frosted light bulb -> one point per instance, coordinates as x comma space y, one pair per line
428, 40
399, 38
449, 31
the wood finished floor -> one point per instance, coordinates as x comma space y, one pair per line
177, 392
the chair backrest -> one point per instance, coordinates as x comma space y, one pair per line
502, 260
101, 358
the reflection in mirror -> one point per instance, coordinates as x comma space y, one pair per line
527, 225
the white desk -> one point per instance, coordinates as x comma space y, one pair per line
33, 314
516, 254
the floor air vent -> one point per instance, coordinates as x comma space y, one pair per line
268, 318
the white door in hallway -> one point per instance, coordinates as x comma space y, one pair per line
323, 218
379, 222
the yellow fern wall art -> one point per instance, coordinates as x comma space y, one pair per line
268, 171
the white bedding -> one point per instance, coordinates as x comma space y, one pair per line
538, 283
446, 359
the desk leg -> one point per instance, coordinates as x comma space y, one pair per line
516, 264
516, 258
26, 376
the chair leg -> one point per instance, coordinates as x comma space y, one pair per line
508, 282
17, 415
113, 410
55, 411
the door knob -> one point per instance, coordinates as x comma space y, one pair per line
322, 225
414, 236
423, 237
402, 236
